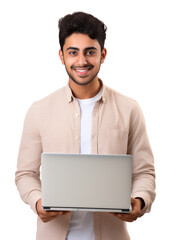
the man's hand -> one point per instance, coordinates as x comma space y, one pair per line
47, 216
130, 217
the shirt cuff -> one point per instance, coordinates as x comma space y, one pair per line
34, 197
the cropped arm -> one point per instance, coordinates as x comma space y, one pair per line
28, 168
143, 181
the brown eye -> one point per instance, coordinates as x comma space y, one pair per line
90, 52
74, 53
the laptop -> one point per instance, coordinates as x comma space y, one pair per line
86, 182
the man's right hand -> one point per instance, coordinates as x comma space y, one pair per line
47, 216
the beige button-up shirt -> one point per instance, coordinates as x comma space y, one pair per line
53, 125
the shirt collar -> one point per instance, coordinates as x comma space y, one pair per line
70, 96
103, 97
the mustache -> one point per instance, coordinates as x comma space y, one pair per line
84, 66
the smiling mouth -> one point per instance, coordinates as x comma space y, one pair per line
82, 71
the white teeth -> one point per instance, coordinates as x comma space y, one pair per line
80, 70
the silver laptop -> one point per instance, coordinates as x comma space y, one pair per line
85, 182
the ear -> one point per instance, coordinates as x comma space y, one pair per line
103, 55
61, 56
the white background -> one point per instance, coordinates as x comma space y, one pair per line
138, 65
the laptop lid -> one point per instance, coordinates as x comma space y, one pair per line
85, 182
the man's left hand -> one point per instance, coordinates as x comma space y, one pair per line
130, 217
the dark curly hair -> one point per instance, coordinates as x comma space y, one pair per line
80, 22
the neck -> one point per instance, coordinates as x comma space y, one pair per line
85, 91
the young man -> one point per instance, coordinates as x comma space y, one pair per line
84, 117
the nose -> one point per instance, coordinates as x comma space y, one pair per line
82, 59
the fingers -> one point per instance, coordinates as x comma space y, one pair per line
127, 217
130, 217
48, 216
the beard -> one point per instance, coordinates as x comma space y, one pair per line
82, 77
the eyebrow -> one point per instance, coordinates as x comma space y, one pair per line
77, 49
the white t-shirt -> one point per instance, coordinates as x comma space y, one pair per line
82, 226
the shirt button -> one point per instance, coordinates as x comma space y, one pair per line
77, 115
76, 137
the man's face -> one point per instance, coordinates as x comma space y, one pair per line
82, 57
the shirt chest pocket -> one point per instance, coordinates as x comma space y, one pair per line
113, 141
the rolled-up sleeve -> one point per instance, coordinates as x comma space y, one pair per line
143, 180
27, 176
